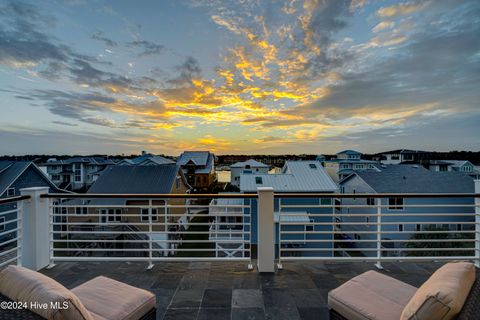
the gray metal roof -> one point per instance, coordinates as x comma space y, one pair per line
252, 163
87, 160
203, 160
157, 160
415, 179
297, 176
349, 152
11, 170
136, 179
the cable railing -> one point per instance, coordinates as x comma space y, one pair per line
11, 230
157, 227
378, 227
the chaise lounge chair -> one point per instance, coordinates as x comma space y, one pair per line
452, 292
101, 298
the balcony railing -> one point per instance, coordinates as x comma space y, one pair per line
10, 230
282, 226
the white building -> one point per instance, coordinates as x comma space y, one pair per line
246, 167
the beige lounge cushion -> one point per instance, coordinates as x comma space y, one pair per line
442, 296
371, 296
109, 299
21, 284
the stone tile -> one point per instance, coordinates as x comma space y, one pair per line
305, 298
314, 313
277, 297
163, 296
247, 298
248, 314
167, 281
248, 281
190, 298
220, 281
325, 282
277, 313
181, 314
214, 314
218, 298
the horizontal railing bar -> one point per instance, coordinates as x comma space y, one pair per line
377, 195
153, 241
146, 206
9, 231
376, 232
14, 199
375, 241
10, 241
100, 224
147, 259
292, 206
4, 263
9, 221
146, 232
3, 253
375, 249
142, 250
160, 214
3, 213
403, 214
148, 196
284, 223
385, 259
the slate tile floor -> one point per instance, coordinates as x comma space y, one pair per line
227, 290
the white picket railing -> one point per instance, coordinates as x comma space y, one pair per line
10, 231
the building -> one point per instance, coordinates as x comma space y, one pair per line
345, 163
16, 175
403, 155
296, 177
246, 167
199, 168
131, 213
403, 179
463, 166
76, 174
146, 159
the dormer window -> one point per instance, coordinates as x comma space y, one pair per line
312, 166
258, 180
11, 192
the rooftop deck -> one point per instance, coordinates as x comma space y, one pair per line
228, 290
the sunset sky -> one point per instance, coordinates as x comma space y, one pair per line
246, 76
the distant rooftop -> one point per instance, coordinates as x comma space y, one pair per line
399, 151
415, 179
200, 158
136, 179
348, 151
89, 160
251, 162
297, 176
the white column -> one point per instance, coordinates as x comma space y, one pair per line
477, 225
265, 231
35, 226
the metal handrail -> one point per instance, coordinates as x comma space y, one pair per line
254, 195
14, 199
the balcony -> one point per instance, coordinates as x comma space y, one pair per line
290, 249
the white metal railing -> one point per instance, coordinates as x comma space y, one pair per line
423, 227
10, 231
133, 228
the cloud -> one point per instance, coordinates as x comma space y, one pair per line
383, 26
147, 47
101, 37
63, 123
401, 9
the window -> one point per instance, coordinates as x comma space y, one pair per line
395, 203
309, 227
177, 183
459, 227
342, 189
258, 180
10, 192
77, 170
367, 220
2, 225
358, 166
81, 210
55, 177
312, 166
247, 171
400, 227
418, 227
144, 214
370, 201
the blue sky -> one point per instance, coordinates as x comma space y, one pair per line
250, 76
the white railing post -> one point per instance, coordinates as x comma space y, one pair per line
150, 244
35, 224
19, 232
265, 231
477, 224
379, 234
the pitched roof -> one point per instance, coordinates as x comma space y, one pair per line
252, 163
349, 152
136, 179
11, 170
158, 160
199, 157
88, 160
456, 163
403, 151
415, 179
297, 176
